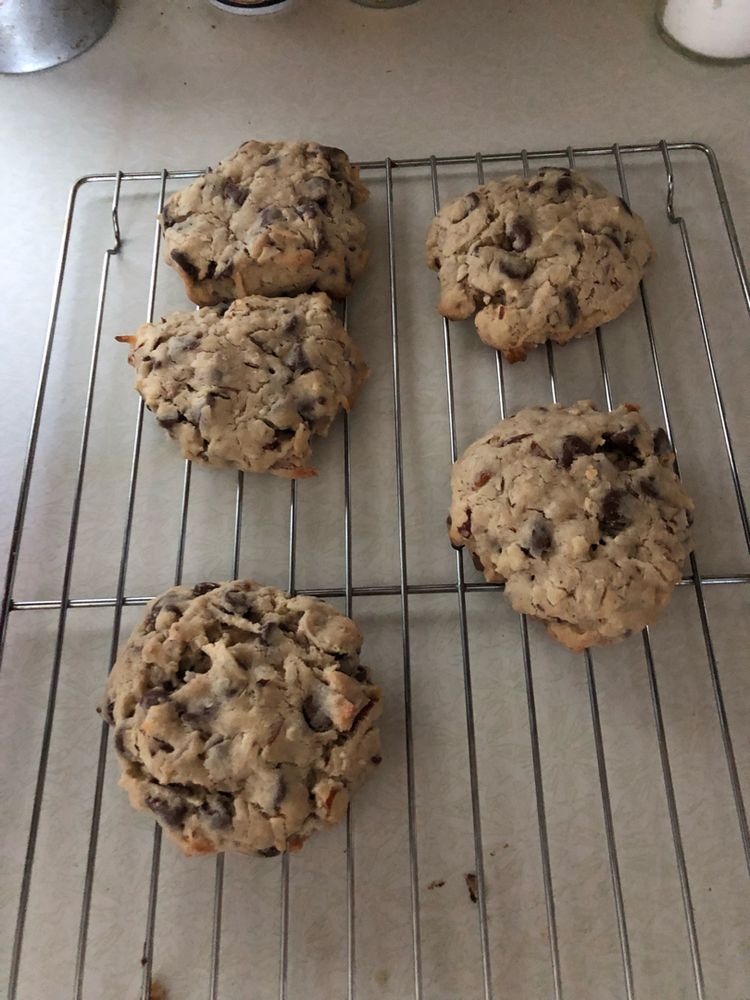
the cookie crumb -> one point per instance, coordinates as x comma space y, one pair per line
437, 883
158, 992
472, 885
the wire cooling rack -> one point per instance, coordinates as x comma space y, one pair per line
544, 824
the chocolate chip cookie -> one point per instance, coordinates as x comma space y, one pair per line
243, 718
247, 387
579, 513
548, 257
273, 218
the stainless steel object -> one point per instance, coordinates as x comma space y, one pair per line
681, 774
38, 34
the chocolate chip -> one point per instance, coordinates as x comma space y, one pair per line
620, 448
514, 439
161, 745
541, 536
211, 269
269, 215
625, 206
519, 234
612, 520
648, 488
185, 264
614, 235
203, 588
281, 790
120, 743
297, 360
268, 852
536, 186
156, 696
199, 716
572, 311
514, 266
230, 189
472, 884
220, 810
564, 184
172, 813
536, 449
482, 479
307, 209
572, 447
662, 444
317, 719
377, 759
478, 564
465, 529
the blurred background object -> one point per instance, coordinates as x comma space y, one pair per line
708, 29
251, 6
37, 34
384, 3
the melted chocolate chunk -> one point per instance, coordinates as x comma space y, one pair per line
514, 266
281, 790
478, 565
570, 301
541, 536
317, 719
203, 588
156, 696
621, 449
268, 852
648, 488
231, 189
185, 264
612, 520
172, 813
270, 215
572, 447
536, 449
536, 186
564, 185
220, 810
519, 234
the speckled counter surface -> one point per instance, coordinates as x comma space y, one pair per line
176, 85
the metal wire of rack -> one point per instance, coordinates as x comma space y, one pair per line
404, 589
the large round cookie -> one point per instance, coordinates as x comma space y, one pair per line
242, 717
579, 513
273, 218
548, 257
248, 387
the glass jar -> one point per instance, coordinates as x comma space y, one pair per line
710, 30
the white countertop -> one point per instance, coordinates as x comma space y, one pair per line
178, 84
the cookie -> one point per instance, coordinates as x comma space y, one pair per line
548, 257
273, 218
247, 387
243, 718
579, 513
